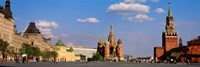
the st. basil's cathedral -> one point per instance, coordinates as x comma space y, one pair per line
109, 50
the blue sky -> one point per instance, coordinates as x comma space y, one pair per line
139, 23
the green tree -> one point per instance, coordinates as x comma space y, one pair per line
46, 55
30, 50
36, 52
49, 54
4, 48
54, 54
97, 57
12, 51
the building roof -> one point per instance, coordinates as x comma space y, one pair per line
195, 39
101, 42
59, 43
7, 10
119, 41
106, 42
32, 28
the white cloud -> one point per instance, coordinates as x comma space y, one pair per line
159, 10
46, 27
140, 18
47, 32
132, 10
134, 1
87, 20
64, 35
44, 23
155, 1
128, 8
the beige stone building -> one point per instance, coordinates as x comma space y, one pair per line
9, 33
65, 54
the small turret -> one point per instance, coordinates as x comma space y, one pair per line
7, 10
180, 42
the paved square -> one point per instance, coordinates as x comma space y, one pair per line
94, 64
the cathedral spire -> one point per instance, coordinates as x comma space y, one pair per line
111, 37
7, 10
111, 27
169, 10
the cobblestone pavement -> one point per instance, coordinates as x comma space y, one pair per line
95, 64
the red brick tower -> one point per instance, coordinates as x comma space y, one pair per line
169, 37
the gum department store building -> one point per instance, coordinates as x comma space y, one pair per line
8, 32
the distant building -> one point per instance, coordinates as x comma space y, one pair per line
65, 54
87, 52
9, 33
109, 49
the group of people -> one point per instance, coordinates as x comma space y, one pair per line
17, 60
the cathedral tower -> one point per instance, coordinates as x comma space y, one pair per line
107, 50
120, 50
111, 39
100, 48
169, 37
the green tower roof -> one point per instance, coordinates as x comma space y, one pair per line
106, 42
59, 43
170, 10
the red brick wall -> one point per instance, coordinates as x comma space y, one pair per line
171, 42
158, 51
194, 49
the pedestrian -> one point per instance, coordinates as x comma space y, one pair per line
17, 60
23, 59
188, 61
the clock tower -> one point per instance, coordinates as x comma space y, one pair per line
169, 37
